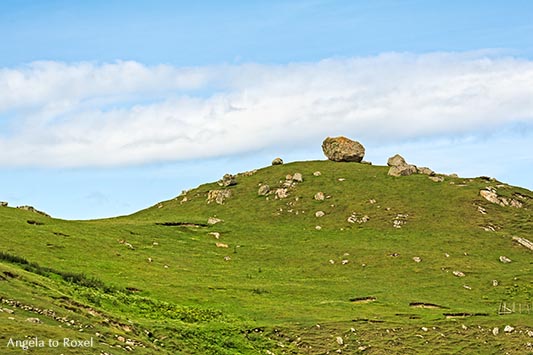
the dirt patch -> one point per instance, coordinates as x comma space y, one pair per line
465, 315
426, 305
362, 299
181, 224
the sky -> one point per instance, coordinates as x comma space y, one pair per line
107, 107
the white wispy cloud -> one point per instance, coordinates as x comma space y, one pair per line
90, 114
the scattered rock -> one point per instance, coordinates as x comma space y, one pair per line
355, 218
524, 242
316, 173
297, 177
319, 196
495, 331
417, 259
281, 193
227, 258
396, 160
495, 283
318, 228
221, 245
34, 320
402, 170
263, 190
277, 161
344, 262
228, 180
218, 196
505, 259
340, 341
459, 274
508, 329
215, 234
319, 214
33, 209
436, 178
425, 171
491, 195
343, 149
331, 261
400, 220
213, 220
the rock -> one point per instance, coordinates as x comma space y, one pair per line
417, 259
228, 180
316, 173
524, 242
495, 283
33, 320
319, 196
213, 220
459, 274
343, 149
3, 204
436, 178
281, 193
221, 245
297, 177
263, 190
218, 196
318, 228
340, 341
490, 195
505, 259
425, 171
277, 161
215, 234
495, 331
227, 258
402, 170
508, 329
354, 218
366, 162
319, 214
396, 160
33, 209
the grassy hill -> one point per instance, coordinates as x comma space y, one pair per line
418, 270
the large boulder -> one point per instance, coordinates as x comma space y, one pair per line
228, 180
399, 167
343, 149
277, 161
396, 160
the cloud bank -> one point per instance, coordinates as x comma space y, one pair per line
93, 114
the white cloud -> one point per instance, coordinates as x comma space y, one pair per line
91, 114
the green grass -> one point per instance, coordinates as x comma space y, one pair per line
279, 283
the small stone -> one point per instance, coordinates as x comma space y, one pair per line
281, 193
317, 173
417, 259
424, 329
505, 259
331, 261
464, 327
344, 262
215, 234
318, 228
213, 220
459, 274
495, 331
495, 283
436, 178
297, 177
319, 214
263, 190
340, 341
319, 196
34, 320
227, 258
277, 161
508, 329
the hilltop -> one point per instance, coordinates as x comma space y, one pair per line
299, 258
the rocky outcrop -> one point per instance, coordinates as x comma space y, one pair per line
399, 167
343, 149
277, 161
490, 194
33, 209
425, 171
227, 180
218, 196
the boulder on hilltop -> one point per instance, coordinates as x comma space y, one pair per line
343, 149
399, 167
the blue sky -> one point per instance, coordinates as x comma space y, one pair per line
107, 107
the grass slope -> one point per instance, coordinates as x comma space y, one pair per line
158, 278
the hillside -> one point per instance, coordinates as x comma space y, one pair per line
389, 264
